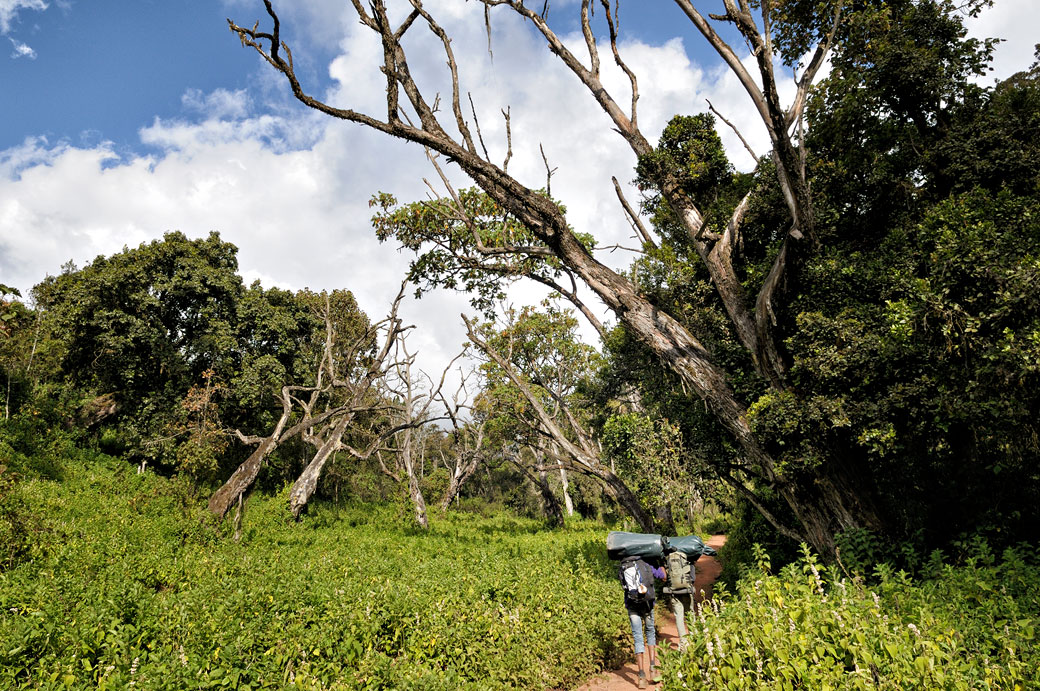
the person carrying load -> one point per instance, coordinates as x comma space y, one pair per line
637, 552
679, 588
680, 555
637, 578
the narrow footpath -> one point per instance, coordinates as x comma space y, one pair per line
708, 570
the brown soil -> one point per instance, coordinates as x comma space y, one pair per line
708, 570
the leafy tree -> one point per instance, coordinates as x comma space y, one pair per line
792, 264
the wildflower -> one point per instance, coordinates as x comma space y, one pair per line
914, 629
816, 577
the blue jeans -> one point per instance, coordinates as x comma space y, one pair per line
638, 620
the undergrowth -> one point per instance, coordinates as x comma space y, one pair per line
969, 625
137, 586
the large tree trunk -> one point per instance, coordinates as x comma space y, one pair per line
828, 502
676, 347
552, 504
414, 491
307, 483
245, 474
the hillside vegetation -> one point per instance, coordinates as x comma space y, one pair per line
130, 582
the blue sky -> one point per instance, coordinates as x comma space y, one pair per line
123, 120
104, 69
101, 70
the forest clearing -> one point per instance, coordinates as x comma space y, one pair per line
130, 584
765, 274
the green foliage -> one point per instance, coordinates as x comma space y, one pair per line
651, 457
146, 320
135, 585
168, 335
690, 156
472, 245
750, 535
19, 524
972, 625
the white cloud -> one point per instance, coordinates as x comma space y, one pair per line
1014, 22
9, 10
22, 50
291, 190
217, 105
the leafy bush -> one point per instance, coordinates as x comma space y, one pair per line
971, 626
138, 586
19, 525
718, 523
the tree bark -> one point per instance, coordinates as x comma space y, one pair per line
245, 474
568, 503
307, 483
549, 500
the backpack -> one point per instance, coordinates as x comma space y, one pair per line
638, 582
680, 572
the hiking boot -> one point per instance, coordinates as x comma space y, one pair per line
641, 684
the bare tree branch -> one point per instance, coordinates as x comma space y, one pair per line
733, 127
633, 217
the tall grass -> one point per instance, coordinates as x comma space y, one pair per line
134, 585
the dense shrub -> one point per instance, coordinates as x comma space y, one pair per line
968, 626
139, 586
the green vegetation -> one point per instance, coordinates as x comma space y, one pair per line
130, 581
966, 625
839, 348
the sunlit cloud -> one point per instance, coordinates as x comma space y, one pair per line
9, 10
21, 50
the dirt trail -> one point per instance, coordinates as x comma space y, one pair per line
708, 569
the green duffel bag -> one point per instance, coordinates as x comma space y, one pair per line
690, 545
621, 545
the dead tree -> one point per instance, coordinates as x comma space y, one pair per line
323, 412
413, 408
569, 435
823, 501
468, 449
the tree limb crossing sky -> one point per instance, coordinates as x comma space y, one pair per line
123, 120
